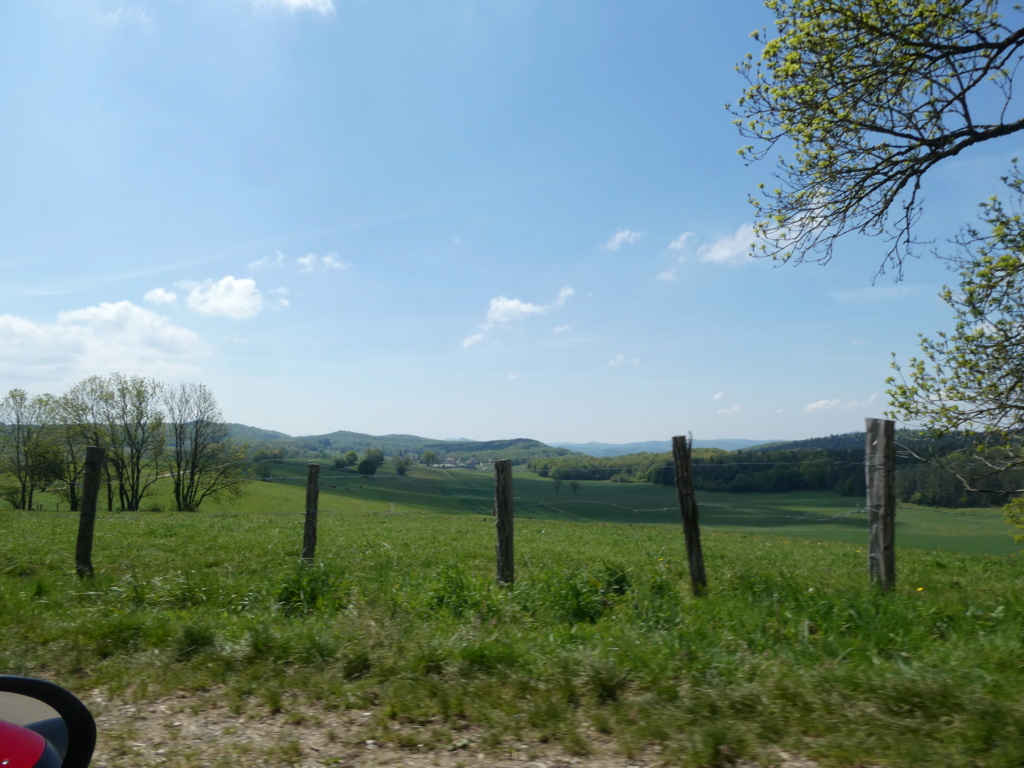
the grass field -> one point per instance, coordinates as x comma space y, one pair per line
825, 516
400, 617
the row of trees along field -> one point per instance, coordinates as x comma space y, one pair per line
148, 430
834, 463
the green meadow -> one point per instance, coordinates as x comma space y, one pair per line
599, 638
825, 516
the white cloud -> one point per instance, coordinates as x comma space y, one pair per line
733, 410
313, 263
823, 405
839, 404
515, 376
620, 238
161, 296
228, 297
718, 396
108, 337
503, 311
731, 250
563, 328
323, 7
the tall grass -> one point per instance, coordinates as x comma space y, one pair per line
400, 615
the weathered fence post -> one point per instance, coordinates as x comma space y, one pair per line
87, 515
688, 507
503, 519
312, 499
880, 470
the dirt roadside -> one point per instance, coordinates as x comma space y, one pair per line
184, 731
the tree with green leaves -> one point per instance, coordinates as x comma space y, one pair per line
429, 458
27, 454
860, 99
134, 423
202, 461
971, 379
372, 460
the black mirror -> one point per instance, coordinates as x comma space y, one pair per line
43, 726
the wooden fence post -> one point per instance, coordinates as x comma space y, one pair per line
312, 499
688, 507
87, 515
880, 470
503, 519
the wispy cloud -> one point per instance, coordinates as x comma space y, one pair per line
313, 263
503, 311
269, 262
732, 410
563, 296
620, 238
117, 336
839, 403
731, 250
125, 15
875, 294
621, 359
282, 301
680, 242
323, 7
718, 396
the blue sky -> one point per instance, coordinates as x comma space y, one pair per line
446, 218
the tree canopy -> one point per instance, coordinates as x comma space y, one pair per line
148, 429
971, 380
860, 99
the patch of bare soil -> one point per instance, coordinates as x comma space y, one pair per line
199, 730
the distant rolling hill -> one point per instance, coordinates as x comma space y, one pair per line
603, 450
518, 449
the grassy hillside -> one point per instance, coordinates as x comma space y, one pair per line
400, 621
